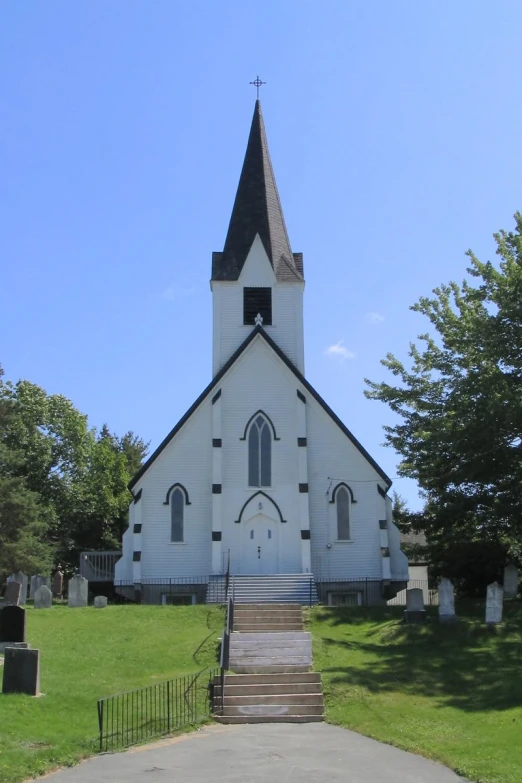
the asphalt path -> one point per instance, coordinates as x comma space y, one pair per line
262, 753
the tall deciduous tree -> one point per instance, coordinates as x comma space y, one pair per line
459, 403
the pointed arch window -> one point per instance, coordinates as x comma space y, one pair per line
177, 514
342, 501
259, 453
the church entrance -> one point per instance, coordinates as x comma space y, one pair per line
260, 546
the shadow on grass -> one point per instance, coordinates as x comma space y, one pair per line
464, 664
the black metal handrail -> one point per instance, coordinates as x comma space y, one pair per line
134, 716
225, 646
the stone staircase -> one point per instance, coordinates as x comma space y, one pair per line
271, 658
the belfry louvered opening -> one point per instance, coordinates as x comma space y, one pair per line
257, 300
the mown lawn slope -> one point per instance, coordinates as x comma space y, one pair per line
86, 654
449, 692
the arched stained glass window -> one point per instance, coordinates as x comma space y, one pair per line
259, 453
343, 514
177, 510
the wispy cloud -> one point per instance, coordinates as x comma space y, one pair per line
374, 318
176, 292
339, 351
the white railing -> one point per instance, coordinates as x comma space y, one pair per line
98, 566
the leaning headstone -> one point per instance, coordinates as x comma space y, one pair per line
12, 624
100, 602
43, 598
446, 601
23, 579
494, 603
37, 582
12, 593
58, 583
510, 581
78, 591
415, 612
21, 671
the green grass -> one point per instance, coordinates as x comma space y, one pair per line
452, 693
86, 654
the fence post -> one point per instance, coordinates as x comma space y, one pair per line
310, 603
100, 722
168, 705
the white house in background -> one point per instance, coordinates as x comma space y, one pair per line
260, 472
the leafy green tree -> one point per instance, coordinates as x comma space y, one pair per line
76, 478
459, 404
24, 519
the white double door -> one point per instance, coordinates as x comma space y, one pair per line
260, 546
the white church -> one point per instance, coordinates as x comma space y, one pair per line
260, 478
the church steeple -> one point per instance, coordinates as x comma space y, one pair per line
257, 210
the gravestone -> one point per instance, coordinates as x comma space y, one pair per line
23, 579
58, 583
494, 603
43, 598
37, 582
12, 593
78, 592
100, 602
446, 601
510, 581
21, 671
12, 624
415, 612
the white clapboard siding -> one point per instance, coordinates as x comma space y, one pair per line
287, 310
331, 455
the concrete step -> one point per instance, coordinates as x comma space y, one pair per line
268, 614
269, 607
257, 648
304, 699
273, 660
236, 719
265, 710
272, 679
279, 636
271, 669
260, 627
269, 689
275, 643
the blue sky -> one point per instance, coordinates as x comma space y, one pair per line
394, 130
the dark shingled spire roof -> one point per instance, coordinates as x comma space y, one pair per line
257, 210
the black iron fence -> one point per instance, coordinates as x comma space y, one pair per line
177, 590
135, 716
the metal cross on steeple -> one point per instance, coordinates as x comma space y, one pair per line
257, 84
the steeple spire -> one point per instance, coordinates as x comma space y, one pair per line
257, 210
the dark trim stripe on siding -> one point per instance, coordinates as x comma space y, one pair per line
259, 332
216, 489
216, 535
383, 524
137, 528
303, 487
301, 441
217, 395
305, 535
137, 496
381, 491
217, 443
136, 557
301, 396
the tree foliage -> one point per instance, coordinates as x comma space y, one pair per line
459, 403
63, 486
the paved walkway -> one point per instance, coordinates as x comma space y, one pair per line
263, 753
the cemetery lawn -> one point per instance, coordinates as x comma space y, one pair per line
86, 654
452, 693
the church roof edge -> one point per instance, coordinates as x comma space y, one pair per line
258, 330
